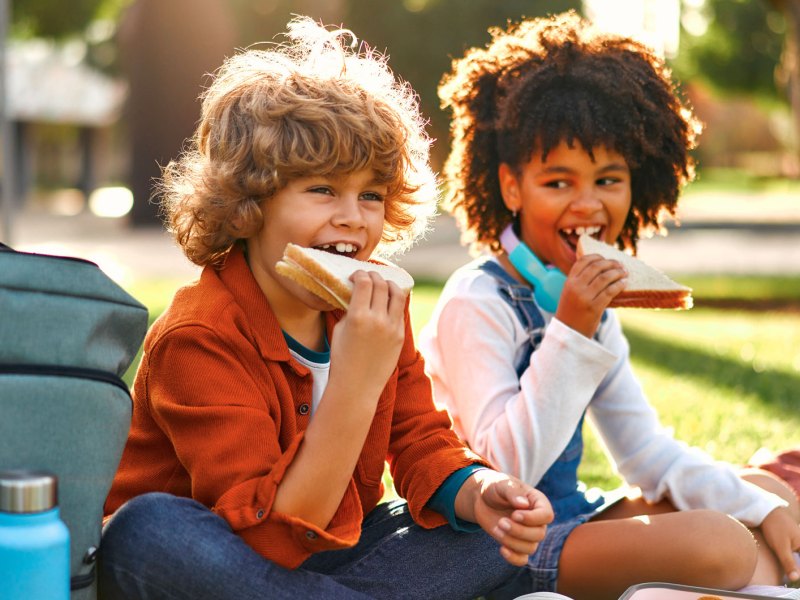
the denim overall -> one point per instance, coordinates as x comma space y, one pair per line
560, 483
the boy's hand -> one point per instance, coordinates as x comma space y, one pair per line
592, 283
512, 512
782, 534
367, 341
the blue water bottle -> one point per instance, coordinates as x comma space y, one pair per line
34, 541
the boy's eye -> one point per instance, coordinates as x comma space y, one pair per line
372, 196
321, 190
608, 180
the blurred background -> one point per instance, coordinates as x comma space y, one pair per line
97, 94
101, 92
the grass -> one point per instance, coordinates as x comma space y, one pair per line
724, 379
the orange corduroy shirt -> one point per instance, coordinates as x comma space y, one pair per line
220, 408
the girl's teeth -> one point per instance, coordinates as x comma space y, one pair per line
592, 230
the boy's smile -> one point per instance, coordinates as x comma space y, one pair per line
566, 195
343, 214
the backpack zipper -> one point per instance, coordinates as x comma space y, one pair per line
64, 371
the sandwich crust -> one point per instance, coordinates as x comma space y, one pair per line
647, 287
328, 275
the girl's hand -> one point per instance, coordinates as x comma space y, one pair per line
782, 534
512, 512
367, 341
591, 284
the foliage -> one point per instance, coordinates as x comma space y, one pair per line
740, 50
45, 18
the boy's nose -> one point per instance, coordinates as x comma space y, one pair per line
348, 212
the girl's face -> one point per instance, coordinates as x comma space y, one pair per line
565, 195
342, 214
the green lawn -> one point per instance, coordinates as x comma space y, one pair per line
725, 380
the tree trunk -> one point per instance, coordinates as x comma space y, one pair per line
167, 46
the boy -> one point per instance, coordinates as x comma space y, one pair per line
262, 417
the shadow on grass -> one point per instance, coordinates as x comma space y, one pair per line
777, 391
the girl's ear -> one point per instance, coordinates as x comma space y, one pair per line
509, 187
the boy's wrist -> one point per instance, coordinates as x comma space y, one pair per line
468, 494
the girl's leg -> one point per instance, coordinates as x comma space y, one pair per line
603, 557
768, 570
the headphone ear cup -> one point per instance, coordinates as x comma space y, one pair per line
547, 290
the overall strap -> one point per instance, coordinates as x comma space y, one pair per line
520, 298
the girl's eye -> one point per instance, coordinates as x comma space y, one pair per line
557, 184
608, 180
372, 196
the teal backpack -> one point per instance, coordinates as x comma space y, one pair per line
67, 335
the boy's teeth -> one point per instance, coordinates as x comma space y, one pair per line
341, 247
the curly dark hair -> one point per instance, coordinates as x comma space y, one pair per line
549, 80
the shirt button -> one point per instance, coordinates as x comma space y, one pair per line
303, 409
311, 535
260, 514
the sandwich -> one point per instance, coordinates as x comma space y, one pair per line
647, 287
327, 274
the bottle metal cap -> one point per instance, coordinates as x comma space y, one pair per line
25, 491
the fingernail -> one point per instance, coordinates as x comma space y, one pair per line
522, 499
794, 575
504, 524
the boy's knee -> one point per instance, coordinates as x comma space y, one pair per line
144, 519
726, 551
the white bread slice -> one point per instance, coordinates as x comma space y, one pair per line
328, 275
647, 287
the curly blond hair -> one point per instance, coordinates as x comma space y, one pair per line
548, 80
313, 106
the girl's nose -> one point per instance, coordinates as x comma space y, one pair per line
586, 202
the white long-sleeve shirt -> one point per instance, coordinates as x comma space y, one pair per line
472, 345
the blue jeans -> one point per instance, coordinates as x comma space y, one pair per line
163, 546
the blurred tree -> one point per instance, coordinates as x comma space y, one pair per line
422, 37
46, 18
789, 72
167, 47
733, 45
745, 48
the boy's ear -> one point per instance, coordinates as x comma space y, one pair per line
509, 187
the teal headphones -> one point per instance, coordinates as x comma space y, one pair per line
547, 282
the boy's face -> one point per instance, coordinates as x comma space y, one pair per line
566, 194
343, 214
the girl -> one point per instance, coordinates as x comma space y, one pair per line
558, 130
